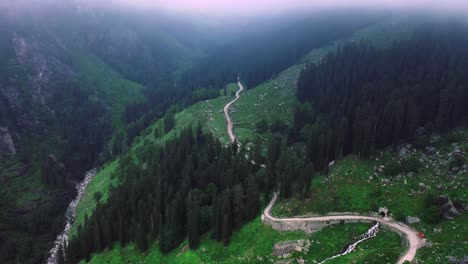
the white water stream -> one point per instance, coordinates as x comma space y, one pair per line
372, 232
70, 215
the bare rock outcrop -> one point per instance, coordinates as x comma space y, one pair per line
286, 248
447, 208
6, 142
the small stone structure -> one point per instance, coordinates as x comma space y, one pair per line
383, 212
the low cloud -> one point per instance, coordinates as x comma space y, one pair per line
247, 7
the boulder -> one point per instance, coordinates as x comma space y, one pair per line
454, 260
430, 151
403, 152
412, 220
447, 209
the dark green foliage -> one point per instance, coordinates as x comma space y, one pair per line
279, 127
165, 200
60, 259
283, 43
431, 214
364, 98
169, 121
193, 221
392, 168
97, 196
457, 161
187, 187
411, 164
261, 127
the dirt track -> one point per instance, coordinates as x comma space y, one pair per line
411, 235
229, 123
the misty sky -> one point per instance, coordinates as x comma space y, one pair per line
250, 6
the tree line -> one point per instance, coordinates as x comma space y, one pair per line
259, 55
361, 98
190, 186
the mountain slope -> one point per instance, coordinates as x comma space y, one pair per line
266, 97
275, 48
62, 97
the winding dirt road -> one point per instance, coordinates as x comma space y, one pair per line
411, 235
229, 123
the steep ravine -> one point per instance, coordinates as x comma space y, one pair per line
70, 215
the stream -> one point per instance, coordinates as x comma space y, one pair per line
70, 215
371, 233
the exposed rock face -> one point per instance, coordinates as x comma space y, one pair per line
286, 248
54, 163
6, 142
37, 67
454, 260
447, 209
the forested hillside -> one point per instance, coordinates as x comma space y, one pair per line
259, 55
188, 187
70, 81
361, 98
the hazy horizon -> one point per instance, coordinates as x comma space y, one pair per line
241, 7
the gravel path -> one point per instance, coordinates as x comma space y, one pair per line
410, 234
229, 123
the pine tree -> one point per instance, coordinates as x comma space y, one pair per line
193, 222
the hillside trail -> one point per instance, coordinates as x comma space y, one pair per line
411, 235
229, 123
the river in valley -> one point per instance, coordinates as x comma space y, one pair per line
70, 215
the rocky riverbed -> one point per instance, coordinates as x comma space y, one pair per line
70, 215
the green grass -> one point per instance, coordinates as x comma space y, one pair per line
274, 100
102, 182
271, 101
25, 197
446, 239
254, 243
231, 89
106, 84
386, 247
21, 185
350, 188
208, 113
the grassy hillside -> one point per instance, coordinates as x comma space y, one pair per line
271, 101
405, 185
208, 113
254, 243
274, 100
26, 204
106, 84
